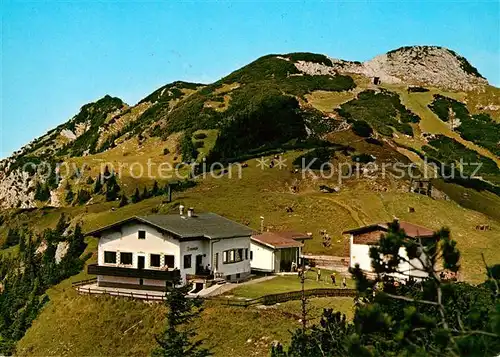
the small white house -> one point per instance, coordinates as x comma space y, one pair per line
148, 252
361, 239
275, 252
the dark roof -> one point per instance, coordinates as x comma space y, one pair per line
276, 240
411, 230
203, 225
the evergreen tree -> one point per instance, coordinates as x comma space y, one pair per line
107, 174
155, 191
176, 340
61, 227
22, 244
98, 184
13, 238
70, 196
145, 194
42, 192
83, 197
76, 243
123, 201
137, 196
112, 189
430, 317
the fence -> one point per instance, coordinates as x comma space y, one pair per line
284, 297
117, 293
84, 282
263, 300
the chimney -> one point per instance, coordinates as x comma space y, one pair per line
181, 210
190, 212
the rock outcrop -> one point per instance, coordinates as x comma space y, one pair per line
418, 65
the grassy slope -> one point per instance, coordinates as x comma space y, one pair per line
267, 193
418, 102
75, 325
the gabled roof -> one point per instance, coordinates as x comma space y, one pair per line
411, 230
203, 225
277, 240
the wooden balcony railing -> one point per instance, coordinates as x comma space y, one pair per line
134, 273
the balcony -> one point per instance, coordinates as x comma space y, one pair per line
171, 275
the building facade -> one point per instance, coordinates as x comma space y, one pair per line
149, 252
274, 252
363, 238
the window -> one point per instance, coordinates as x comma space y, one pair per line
187, 261
170, 261
126, 258
110, 257
234, 255
154, 260
142, 234
251, 255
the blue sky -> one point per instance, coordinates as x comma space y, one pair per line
57, 56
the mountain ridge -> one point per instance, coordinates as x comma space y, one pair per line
273, 86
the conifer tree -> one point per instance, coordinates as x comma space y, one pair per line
61, 226
155, 191
98, 184
123, 201
145, 194
112, 189
137, 196
177, 339
70, 196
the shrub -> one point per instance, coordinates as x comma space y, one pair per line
309, 57
479, 128
200, 136
445, 150
363, 158
362, 128
383, 111
417, 89
315, 158
83, 197
42, 192
188, 150
269, 118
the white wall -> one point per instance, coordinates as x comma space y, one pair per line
194, 248
263, 257
128, 242
243, 267
360, 254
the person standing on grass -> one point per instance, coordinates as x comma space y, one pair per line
319, 274
344, 283
334, 279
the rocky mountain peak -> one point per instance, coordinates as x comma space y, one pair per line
421, 65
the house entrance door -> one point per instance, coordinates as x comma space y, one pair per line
141, 262
199, 264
